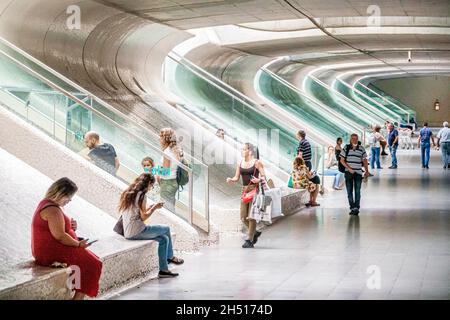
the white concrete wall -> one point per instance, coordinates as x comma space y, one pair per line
96, 186
420, 93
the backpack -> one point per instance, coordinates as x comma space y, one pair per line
182, 175
341, 167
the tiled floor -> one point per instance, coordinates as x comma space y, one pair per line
402, 235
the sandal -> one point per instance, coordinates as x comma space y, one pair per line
175, 260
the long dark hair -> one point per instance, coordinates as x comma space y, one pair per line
253, 149
139, 187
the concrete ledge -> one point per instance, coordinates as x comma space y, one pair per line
20, 277
123, 261
96, 186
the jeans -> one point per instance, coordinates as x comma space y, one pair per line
445, 149
169, 188
353, 181
375, 157
337, 176
161, 234
393, 151
425, 153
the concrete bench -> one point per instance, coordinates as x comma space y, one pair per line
20, 277
123, 261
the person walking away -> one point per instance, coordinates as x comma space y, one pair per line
102, 155
423, 142
251, 170
443, 142
393, 145
353, 158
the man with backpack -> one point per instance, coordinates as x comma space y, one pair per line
352, 158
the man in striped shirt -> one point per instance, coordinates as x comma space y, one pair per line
304, 148
353, 157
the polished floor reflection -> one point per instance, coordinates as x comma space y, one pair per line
398, 248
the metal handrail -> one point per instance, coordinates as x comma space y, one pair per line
86, 92
369, 98
384, 99
90, 108
342, 96
307, 97
220, 85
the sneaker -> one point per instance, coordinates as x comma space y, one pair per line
427, 167
167, 274
352, 212
256, 236
393, 167
355, 212
247, 244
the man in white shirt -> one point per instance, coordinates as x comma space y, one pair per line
443, 142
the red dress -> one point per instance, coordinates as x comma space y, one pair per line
47, 250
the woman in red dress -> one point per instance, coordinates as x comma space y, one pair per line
53, 239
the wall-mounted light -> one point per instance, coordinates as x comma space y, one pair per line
436, 105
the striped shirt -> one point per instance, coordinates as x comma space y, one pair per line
305, 148
355, 158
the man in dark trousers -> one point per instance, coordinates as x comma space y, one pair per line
353, 158
393, 145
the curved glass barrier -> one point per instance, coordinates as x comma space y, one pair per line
403, 114
392, 100
65, 113
211, 102
301, 107
371, 107
338, 102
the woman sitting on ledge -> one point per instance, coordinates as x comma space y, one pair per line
133, 206
53, 239
301, 180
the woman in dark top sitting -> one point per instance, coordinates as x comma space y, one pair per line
251, 169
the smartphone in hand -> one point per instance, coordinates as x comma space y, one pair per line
91, 242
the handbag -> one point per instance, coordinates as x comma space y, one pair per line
119, 226
260, 204
290, 183
248, 196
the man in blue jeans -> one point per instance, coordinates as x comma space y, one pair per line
353, 157
425, 135
443, 142
393, 145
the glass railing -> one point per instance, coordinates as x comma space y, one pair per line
339, 103
290, 99
392, 100
371, 107
404, 115
66, 112
216, 105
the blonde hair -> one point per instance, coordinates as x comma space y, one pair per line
170, 141
61, 188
